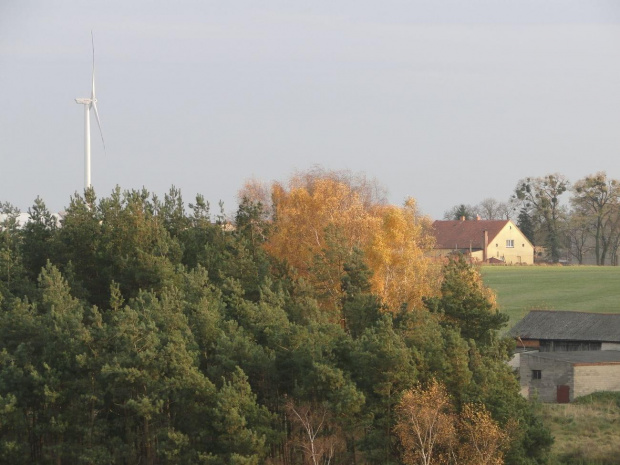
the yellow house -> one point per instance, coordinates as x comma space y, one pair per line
483, 240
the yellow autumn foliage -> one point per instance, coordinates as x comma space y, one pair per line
432, 433
426, 425
394, 239
484, 441
397, 254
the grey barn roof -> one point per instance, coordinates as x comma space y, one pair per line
568, 326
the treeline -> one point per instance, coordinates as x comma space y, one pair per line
575, 222
142, 331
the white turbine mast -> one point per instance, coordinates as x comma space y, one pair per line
88, 104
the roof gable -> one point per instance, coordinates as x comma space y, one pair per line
568, 326
466, 234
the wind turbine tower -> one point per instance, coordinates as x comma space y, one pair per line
89, 103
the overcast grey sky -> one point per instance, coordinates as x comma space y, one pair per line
448, 101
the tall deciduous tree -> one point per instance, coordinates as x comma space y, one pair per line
393, 239
596, 197
303, 213
491, 209
579, 234
611, 237
315, 432
426, 425
402, 273
484, 441
541, 196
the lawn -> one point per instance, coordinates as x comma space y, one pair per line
579, 288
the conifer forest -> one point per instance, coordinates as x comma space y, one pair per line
310, 328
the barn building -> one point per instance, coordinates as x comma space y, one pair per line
563, 355
563, 376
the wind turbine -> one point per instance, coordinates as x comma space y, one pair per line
88, 104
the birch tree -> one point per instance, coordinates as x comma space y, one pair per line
426, 425
394, 239
484, 440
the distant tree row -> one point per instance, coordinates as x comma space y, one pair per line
487, 209
139, 330
585, 224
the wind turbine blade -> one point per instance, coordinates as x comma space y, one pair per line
94, 104
92, 40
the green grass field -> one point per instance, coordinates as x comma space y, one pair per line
579, 288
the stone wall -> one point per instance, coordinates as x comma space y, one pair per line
581, 378
589, 378
553, 373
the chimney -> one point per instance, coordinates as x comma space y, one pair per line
463, 218
485, 244
477, 217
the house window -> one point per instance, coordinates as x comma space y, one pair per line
510, 243
536, 374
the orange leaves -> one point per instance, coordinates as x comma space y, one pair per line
303, 216
303, 212
393, 239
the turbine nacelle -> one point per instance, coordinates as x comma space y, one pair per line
84, 101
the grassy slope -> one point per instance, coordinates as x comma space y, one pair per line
580, 288
586, 432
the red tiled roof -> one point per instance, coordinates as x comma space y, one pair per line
465, 234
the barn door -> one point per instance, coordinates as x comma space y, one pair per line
563, 394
